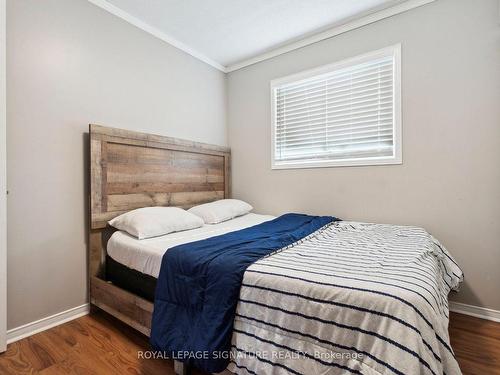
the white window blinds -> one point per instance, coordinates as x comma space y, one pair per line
346, 114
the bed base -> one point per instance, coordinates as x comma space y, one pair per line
127, 307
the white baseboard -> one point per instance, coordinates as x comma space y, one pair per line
476, 311
37, 326
29, 329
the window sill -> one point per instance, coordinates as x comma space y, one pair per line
336, 163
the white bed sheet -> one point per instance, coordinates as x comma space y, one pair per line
145, 255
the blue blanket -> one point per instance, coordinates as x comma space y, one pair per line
199, 284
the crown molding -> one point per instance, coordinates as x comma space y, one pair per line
103, 4
349, 25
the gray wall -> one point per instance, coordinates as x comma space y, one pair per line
69, 64
449, 182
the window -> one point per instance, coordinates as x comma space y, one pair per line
347, 113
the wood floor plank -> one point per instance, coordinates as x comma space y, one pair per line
99, 344
476, 343
478, 326
15, 361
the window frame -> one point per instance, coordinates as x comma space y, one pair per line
396, 158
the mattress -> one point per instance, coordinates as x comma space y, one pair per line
145, 255
134, 281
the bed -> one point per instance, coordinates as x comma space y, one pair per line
348, 298
129, 170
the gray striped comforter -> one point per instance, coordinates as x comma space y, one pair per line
352, 298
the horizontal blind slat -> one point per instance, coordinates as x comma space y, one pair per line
334, 131
343, 116
385, 150
336, 77
337, 99
334, 87
332, 140
332, 126
385, 101
342, 98
354, 144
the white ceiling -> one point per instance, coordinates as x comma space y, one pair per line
229, 32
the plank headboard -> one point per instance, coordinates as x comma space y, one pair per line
130, 170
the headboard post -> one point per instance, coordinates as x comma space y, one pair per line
130, 170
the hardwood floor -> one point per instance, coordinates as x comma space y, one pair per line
94, 344
476, 343
99, 344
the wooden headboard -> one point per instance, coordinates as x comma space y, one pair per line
131, 170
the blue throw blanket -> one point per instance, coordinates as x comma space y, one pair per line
199, 284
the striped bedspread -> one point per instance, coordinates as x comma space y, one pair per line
352, 298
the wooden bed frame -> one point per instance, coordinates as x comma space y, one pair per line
130, 170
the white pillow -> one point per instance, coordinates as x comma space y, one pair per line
155, 221
222, 210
